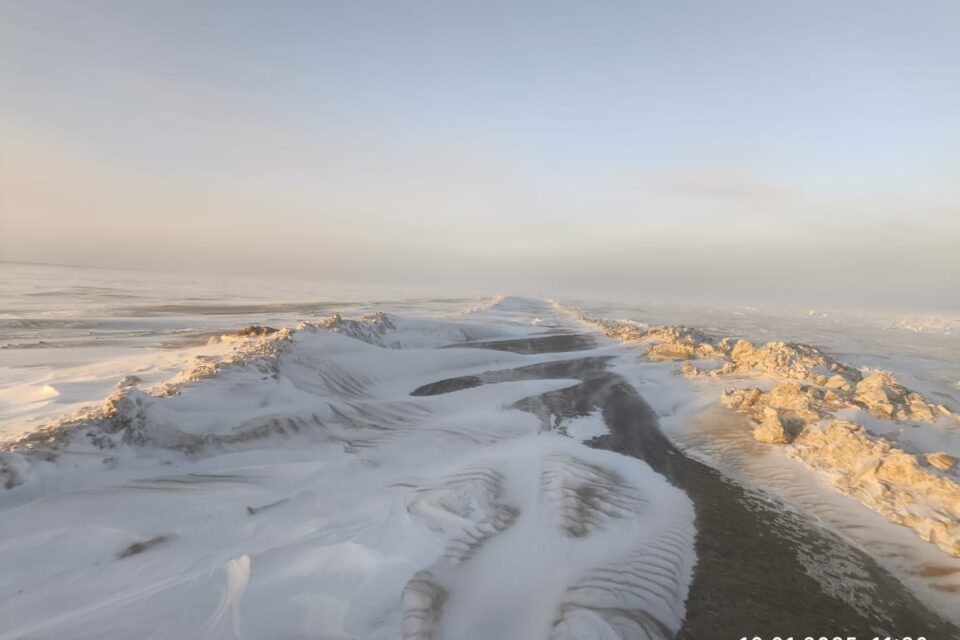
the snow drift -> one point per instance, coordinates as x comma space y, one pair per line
296, 488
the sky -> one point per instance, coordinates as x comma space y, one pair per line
802, 153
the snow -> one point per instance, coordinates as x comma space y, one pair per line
690, 416
78, 330
295, 488
925, 358
304, 491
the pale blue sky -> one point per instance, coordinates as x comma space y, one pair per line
760, 151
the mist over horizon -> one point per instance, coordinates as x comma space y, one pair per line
746, 153
638, 293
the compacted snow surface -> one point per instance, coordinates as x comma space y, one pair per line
321, 499
373, 478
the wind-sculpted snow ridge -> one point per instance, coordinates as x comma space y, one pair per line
132, 417
122, 419
588, 496
397, 332
371, 329
639, 596
613, 536
812, 404
298, 487
486, 305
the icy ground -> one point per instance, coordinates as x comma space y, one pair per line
384, 477
319, 498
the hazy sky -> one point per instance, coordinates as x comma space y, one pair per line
803, 152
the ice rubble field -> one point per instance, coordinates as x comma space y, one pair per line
358, 512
